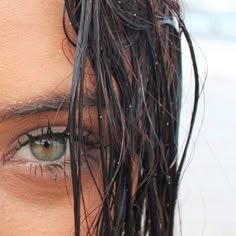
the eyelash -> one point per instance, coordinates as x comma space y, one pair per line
49, 136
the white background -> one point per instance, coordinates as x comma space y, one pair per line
207, 203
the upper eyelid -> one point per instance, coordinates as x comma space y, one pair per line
37, 132
60, 131
31, 138
14, 130
12, 145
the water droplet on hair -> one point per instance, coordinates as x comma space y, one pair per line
167, 123
142, 171
168, 178
135, 14
84, 165
100, 117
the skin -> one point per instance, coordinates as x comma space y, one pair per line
33, 68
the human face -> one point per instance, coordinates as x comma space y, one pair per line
34, 85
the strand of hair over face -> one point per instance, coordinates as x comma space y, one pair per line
135, 50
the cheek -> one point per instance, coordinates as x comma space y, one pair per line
31, 210
45, 207
91, 202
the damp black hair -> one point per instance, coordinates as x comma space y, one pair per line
134, 44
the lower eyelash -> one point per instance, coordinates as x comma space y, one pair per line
54, 169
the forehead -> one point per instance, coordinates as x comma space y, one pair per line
32, 54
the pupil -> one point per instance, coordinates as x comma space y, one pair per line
46, 144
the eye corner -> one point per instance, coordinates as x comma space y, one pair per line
7, 155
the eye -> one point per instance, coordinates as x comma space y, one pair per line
46, 145
48, 149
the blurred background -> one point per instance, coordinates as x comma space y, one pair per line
207, 202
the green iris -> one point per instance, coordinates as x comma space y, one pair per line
48, 149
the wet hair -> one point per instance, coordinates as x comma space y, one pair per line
135, 51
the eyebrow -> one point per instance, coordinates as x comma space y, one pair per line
36, 105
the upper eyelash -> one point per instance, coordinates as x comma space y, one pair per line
50, 135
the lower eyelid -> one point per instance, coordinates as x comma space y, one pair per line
55, 169
36, 171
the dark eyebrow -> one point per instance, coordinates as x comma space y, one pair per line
37, 105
